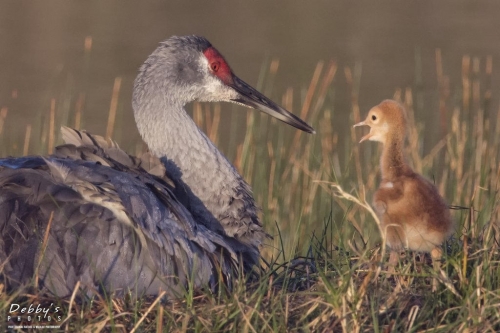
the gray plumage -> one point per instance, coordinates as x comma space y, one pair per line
122, 223
115, 226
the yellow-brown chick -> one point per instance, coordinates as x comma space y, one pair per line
409, 207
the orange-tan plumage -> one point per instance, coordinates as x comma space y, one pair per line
412, 212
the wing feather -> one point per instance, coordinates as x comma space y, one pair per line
117, 224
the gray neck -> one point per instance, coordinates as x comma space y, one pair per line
218, 194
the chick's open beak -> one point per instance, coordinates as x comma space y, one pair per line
366, 137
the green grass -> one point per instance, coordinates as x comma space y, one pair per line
325, 269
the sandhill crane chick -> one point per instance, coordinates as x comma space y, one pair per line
412, 212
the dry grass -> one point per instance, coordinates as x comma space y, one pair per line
325, 270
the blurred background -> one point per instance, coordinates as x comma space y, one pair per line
66, 55
42, 45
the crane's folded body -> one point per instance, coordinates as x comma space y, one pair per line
115, 226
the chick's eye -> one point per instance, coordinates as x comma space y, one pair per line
215, 66
374, 117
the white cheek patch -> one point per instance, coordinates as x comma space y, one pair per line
385, 127
212, 87
218, 91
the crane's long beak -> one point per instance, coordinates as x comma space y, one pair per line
366, 137
254, 99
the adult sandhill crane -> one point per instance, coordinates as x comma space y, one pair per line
117, 223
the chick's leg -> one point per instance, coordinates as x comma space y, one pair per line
436, 255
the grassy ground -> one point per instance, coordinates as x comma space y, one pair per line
325, 269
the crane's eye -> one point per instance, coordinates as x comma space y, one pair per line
374, 117
215, 66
